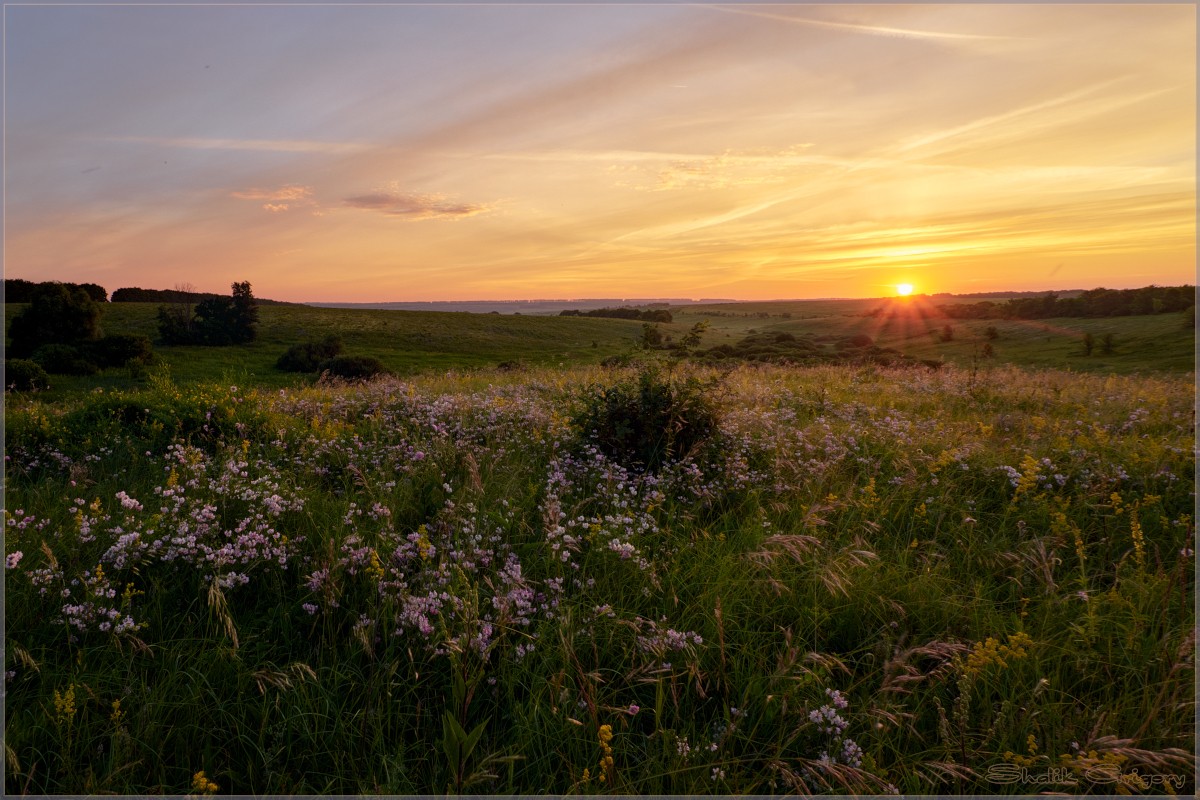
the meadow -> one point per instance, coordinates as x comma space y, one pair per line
861, 580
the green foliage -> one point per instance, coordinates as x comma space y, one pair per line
652, 337
352, 368
22, 375
308, 356
64, 359
650, 419
119, 349
57, 314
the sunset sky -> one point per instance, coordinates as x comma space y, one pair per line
387, 153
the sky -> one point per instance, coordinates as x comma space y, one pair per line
453, 152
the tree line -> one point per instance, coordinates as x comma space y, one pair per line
626, 312
1091, 303
18, 290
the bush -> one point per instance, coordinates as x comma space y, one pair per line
117, 350
22, 375
307, 357
353, 368
647, 421
64, 359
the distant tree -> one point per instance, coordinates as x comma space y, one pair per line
57, 314
651, 336
1089, 344
1108, 344
992, 333
947, 334
988, 350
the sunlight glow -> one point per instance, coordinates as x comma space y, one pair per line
904, 289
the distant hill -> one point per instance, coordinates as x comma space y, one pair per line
542, 307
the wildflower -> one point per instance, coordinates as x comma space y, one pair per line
64, 706
634, 708
607, 768
202, 785
13, 558
1139, 540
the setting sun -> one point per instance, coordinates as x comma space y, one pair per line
904, 289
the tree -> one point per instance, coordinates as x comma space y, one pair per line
1089, 343
651, 336
947, 334
215, 320
1108, 344
57, 314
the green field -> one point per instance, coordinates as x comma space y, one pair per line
407, 342
851, 579
413, 342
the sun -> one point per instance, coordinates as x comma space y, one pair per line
904, 289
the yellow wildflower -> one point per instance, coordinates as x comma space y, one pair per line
64, 706
202, 785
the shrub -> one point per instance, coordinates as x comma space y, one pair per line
64, 359
22, 375
649, 420
307, 357
117, 350
353, 368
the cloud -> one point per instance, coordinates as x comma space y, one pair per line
415, 206
289, 192
282, 199
270, 145
872, 30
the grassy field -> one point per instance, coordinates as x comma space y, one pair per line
221, 578
1142, 343
406, 342
864, 581
412, 342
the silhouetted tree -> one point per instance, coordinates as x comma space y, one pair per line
216, 320
57, 314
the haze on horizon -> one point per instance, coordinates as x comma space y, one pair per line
424, 153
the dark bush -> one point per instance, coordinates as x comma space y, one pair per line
648, 420
64, 359
117, 350
860, 340
307, 357
57, 314
22, 375
353, 368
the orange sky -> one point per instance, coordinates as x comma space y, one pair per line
432, 153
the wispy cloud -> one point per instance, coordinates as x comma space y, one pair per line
284, 198
267, 145
872, 30
414, 206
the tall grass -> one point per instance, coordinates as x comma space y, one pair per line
870, 581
